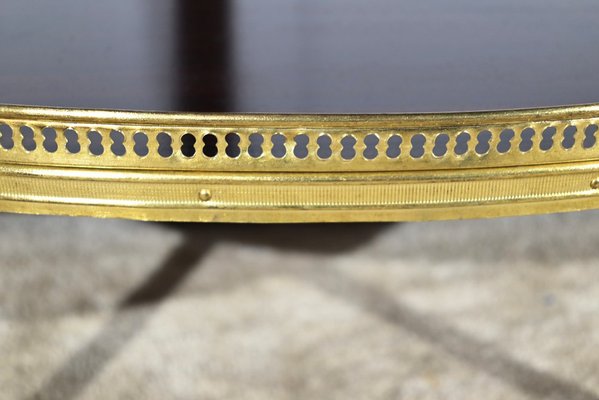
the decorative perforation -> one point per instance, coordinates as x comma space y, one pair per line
348, 150
300, 150
165, 144
310, 149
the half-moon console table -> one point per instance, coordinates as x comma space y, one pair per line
311, 111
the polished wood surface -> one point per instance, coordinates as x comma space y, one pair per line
299, 56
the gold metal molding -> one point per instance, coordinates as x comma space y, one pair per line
298, 168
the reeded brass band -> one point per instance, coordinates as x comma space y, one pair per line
298, 168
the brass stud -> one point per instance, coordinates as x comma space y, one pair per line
595, 184
205, 195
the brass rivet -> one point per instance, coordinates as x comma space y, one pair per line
595, 184
205, 195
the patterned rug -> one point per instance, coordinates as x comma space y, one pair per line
487, 309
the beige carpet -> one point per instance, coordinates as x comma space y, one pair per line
110, 309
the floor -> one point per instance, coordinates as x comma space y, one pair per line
107, 309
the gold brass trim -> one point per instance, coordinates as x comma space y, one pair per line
298, 168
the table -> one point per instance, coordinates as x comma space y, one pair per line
349, 62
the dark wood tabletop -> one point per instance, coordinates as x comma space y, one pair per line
299, 55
